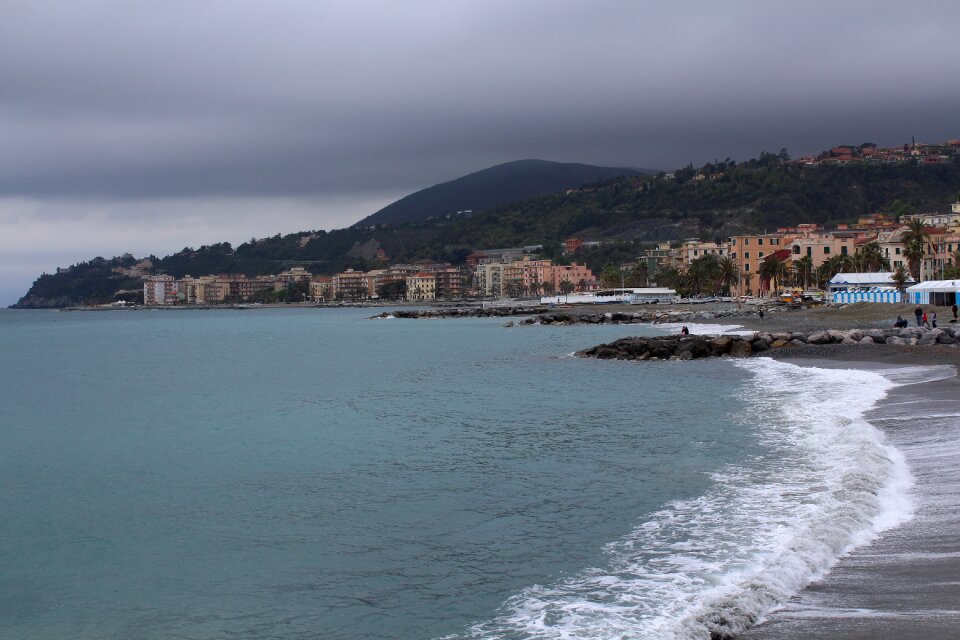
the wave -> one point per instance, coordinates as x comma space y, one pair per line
709, 567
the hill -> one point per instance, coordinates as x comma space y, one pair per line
492, 187
712, 201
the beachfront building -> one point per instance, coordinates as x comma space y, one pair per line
422, 287
160, 290
940, 293
848, 288
351, 285
749, 251
692, 249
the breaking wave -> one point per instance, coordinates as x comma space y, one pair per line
709, 567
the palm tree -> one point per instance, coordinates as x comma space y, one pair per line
900, 277
871, 257
803, 268
914, 239
728, 272
773, 271
747, 279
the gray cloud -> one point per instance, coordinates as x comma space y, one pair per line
116, 101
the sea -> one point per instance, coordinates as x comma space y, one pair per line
314, 473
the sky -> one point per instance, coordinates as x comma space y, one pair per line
145, 127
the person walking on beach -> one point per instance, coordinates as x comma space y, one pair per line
684, 331
954, 309
925, 324
933, 320
760, 313
918, 312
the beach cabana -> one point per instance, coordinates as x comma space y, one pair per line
863, 287
941, 293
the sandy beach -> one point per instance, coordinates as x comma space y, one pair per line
906, 584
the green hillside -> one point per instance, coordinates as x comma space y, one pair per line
714, 201
492, 187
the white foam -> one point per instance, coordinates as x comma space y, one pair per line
766, 528
703, 329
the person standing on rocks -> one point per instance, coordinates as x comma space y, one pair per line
954, 309
933, 320
918, 312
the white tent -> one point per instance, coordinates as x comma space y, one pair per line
858, 280
937, 292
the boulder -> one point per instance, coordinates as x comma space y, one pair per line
946, 338
721, 345
740, 348
896, 340
759, 345
820, 337
836, 335
848, 340
798, 343
927, 339
798, 337
777, 344
866, 340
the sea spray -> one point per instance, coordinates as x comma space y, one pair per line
709, 567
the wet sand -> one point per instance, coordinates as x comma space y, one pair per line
906, 584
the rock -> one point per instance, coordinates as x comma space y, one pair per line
896, 340
721, 345
740, 348
927, 339
848, 340
866, 340
759, 345
875, 333
509, 323
837, 335
798, 337
946, 338
685, 355
855, 334
820, 337
798, 343
777, 344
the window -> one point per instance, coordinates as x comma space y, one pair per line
826, 251
746, 267
761, 254
774, 240
843, 250
746, 254
796, 249
759, 242
809, 252
746, 241
897, 250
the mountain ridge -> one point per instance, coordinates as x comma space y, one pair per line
494, 186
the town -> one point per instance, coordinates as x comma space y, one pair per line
916, 248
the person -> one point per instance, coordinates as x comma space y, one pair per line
684, 331
900, 323
925, 320
918, 312
760, 313
933, 320
954, 309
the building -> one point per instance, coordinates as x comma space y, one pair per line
160, 290
351, 285
422, 287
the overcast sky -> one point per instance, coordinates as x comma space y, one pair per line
148, 126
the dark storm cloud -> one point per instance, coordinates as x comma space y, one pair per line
232, 98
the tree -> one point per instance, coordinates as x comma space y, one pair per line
611, 276
803, 269
566, 287
870, 258
915, 239
729, 272
900, 278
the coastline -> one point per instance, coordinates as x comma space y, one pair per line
904, 584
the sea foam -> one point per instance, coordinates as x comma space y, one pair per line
714, 565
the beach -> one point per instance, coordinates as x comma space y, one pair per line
906, 584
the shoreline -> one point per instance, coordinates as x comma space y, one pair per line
903, 584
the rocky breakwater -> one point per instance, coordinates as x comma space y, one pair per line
696, 346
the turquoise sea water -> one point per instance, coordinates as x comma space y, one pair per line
310, 473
